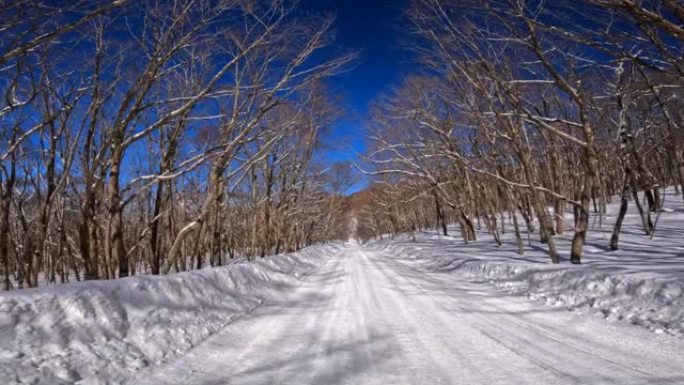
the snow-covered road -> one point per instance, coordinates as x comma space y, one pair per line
369, 318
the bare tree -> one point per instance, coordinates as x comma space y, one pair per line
514, 93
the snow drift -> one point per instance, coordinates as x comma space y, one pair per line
654, 302
642, 283
96, 332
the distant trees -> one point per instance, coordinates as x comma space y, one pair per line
528, 109
159, 136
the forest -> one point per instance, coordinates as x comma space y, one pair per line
148, 137
526, 110
158, 136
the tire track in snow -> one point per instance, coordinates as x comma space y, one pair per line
527, 339
368, 318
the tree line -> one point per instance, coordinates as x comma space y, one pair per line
157, 136
525, 110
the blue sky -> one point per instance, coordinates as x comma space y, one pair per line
374, 29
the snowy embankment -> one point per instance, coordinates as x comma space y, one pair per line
99, 331
642, 283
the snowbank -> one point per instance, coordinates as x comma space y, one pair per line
642, 283
97, 332
653, 302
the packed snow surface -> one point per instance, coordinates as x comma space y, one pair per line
372, 317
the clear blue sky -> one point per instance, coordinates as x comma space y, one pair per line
376, 29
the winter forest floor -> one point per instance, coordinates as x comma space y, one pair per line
393, 311
641, 283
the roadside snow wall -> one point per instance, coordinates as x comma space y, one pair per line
638, 294
98, 331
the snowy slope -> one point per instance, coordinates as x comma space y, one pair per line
99, 332
642, 283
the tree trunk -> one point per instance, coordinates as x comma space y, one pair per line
518, 238
585, 195
155, 262
441, 223
5, 223
215, 185
624, 202
116, 245
645, 222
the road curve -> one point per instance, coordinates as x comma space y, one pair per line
365, 317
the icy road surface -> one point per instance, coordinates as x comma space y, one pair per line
369, 318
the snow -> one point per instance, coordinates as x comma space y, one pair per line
642, 283
369, 316
434, 311
100, 331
